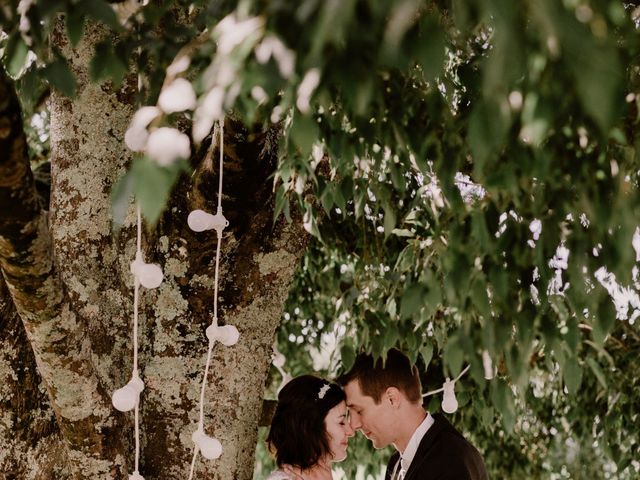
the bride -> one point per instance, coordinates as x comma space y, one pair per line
310, 429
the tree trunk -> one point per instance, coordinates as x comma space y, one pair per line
91, 264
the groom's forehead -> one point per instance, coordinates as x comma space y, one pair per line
353, 390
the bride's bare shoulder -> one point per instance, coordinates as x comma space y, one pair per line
280, 475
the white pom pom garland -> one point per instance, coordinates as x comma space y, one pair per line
228, 335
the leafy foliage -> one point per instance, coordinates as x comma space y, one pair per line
424, 141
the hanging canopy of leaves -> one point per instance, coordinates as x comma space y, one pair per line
469, 172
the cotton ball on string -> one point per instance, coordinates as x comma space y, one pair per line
226, 334
148, 274
177, 96
199, 221
449, 401
137, 135
210, 447
166, 145
125, 398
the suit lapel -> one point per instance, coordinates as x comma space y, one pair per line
440, 423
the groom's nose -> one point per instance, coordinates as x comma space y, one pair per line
349, 430
355, 422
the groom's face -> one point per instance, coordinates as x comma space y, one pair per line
375, 421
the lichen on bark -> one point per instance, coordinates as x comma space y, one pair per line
82, 339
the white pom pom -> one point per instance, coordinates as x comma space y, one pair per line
136, 139
136, 476
210, 447
227, 334
177, 97
137, 135
166, 145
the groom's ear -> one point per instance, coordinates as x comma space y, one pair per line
393, 396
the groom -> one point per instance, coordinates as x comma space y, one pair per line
385, 403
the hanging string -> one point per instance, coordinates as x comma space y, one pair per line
215, 299
219, 212
433, 392
221, 162
136, 293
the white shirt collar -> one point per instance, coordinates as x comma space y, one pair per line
406, 457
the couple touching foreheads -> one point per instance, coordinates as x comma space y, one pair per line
314, 419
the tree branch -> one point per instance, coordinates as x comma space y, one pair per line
58, 339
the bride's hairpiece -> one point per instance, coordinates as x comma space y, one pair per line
323, 390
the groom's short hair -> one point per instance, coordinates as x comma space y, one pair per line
375, 376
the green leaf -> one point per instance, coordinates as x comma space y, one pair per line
32, 86
339, 199
359, 201
433, 297
347, 355
411, 302
282, 204
481, 299
597, 371
120, 198
481, 232
48, 8
599, 76
454, 355
502, 399
60, 76
304, 132
75, 25
430, 51
604, 320
572, 373
153, 184
102, 11
487, 416
572, 337
391, 336
107, 65
488, 127
427, 354
326, 198
16, 52
389, 219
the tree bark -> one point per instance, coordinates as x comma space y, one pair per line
29, 435
71, 286
57, 336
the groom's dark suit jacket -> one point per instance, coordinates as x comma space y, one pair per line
443, 454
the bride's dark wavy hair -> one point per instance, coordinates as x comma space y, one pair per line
298, 436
